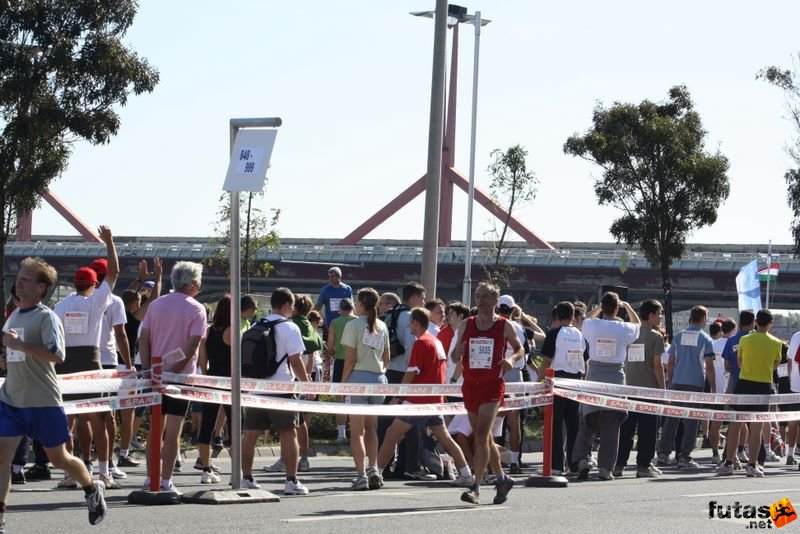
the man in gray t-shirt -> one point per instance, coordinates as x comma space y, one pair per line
643, 368
30, 399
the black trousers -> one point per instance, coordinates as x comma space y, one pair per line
566, 421
646, 426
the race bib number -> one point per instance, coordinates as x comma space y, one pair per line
16, 355
689, 339
334, 305
575, 359
374, 341
76, 322
636, 352
480, 353
606, 349
783, 370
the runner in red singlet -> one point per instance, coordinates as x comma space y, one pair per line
480, 348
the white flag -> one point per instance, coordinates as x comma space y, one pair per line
748, 287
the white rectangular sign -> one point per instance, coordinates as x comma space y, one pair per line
247, 170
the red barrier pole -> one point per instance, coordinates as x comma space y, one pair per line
154, 441
547, 431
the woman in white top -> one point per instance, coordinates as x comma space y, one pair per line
366, 341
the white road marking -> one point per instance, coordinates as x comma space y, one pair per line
394, 514
741, 492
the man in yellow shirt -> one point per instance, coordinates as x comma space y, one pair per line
759, 354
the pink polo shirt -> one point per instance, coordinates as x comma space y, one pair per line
172, 319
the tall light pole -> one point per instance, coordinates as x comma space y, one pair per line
466, 293
455, 15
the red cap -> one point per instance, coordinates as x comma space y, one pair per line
85, 276
100, 266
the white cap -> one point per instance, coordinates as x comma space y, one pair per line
506, 301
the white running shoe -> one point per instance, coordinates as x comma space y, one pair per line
209, 477
67, 482
754, 472
116, 472
294, 488
250, 483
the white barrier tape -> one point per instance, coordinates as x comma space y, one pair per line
327, 388
673, 395
100, 373
103, 385
673, 411
105, 404
292, 405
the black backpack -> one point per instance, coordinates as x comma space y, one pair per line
396, 347
259, 350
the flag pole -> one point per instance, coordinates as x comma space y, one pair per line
769, 265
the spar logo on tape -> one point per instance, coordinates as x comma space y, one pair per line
617, 404
351, 390
699, 413
588, 399
645, 408
134, 402
674, 412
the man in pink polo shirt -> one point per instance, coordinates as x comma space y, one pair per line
173, 327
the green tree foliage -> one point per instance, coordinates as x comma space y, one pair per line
63, 69
789, 81
257, 232
512, 186
657, 173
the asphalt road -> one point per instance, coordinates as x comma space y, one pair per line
676, 502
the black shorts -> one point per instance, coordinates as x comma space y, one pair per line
259, 419
170, 406
748, 387
338, 369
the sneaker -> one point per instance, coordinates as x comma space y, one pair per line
127, 461
753, 471
617, 472
583, 469
209, 477
375, 479
303, 465
514, 469
687, 462
737, 464
294, 488
17, 478
116, 472
471, 496
463, 482
360, 483
422, 474
725, 470
605, 474
96, 503
771, 456
742, 456
250, 483
38, 472
178, 466
217, 444
503, 487
656, 469
198, 464
715, 459
109, 482
790, 460
277, 467
167, 485
647, 472
593, 461
663, 459
67, 482
136, 444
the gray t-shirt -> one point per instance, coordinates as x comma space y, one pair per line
638, 368
369, 346
31, 382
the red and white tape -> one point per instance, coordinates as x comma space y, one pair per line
293, 405
681, 412
674, 395
328, 388
106, 404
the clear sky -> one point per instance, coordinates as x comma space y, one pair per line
351, 81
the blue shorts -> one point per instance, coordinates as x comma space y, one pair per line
48, 424
422, 420
366, 377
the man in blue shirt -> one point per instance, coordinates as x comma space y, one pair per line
747, 321
330, 296
691, 361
